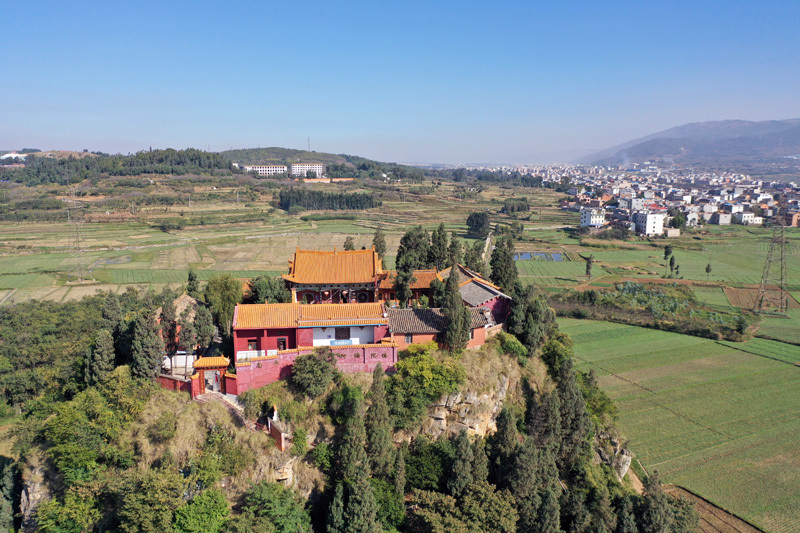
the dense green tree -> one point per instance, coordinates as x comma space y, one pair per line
655, 512
412, 254
400, 470
548, 518
437, 293
100, 358
428, 464
531, 320
504, 447
504, 268
169, 329
148, 501
112, 312
456, 316
192, 285
461, 475
575, 422
478, 224
187, 335
545, 423
147, 348
482, 509
278, 506
402, 283
708, 270
473, 257
589, 263
438, 251
554, 353
575, 516
349, 243
480, 465
266, 289
380, 447
626, 519
672, 266
206, 513
312, 373
391, 504
454, 251
361, 511
204, 326
352, 449
222, 293
379, 242
311, 199
335, 517
9, 486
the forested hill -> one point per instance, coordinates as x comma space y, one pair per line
40, 170
281, 156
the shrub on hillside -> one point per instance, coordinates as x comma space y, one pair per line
312, 373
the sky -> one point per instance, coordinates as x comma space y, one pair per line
426, 82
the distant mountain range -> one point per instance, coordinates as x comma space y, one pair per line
718, 144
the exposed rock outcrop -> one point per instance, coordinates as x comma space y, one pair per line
469, 410
34, 492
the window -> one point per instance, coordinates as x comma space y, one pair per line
409, 338
342, 334
251, 345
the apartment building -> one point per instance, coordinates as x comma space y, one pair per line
267, 170
301, 169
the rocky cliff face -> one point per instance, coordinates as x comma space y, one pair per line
469, 410
34, 492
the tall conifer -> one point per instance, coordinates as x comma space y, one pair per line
504, 447
461, 475
575, 422
147, 347
456, 316
379, 242
380, 447
335, 519
480, 460
504, 269
101, 358
438, 251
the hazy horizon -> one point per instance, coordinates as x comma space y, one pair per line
443, 83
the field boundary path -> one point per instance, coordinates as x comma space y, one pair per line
7, 296
713, 518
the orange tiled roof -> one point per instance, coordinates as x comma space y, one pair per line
248, 316
212, 362
466, 275
422, 279
355, 266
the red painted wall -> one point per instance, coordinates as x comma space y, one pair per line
305, 337
174, 383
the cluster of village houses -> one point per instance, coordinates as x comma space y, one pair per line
641, 202
343, 300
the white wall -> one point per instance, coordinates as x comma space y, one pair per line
357, 335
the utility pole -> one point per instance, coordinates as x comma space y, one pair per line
309, 144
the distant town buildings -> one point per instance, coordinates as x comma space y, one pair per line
592, 218
267, 170
302, 169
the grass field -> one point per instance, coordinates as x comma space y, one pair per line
720, 419
786, 329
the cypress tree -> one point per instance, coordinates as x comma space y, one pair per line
335, 519
545, 427
380, 447
473, 257
504, 447
523, 480
101, 358
548, 518
402, 282
192, 285
456, 316
454, 253
187, 336
379, 242
169, 329
504, 269
352, 455
438, 251
360, 513
204, 326
400, 470
626, 520
112, 312
480, 465
349, 243
461, 474
575, 422
147, 347
655, 511
413, 249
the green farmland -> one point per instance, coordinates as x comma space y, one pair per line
720, 419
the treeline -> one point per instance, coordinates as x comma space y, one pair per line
39, 170
310, 199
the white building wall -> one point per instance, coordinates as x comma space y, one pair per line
357, 335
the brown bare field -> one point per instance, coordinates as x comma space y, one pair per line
746, 298
713, 519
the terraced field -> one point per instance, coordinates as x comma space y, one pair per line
720, 419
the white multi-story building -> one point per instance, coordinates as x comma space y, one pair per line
592, 218
648, 222
267, 170
301, 169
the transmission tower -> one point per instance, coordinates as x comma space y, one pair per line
76, 246
774, 271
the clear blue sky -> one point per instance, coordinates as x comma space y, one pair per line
433, 81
